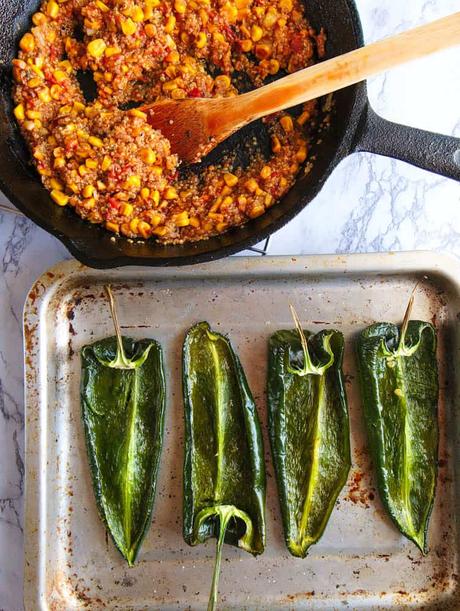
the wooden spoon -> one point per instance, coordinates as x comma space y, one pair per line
195, 126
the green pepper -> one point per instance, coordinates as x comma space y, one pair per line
224, 471
123, 403
309, 430
399, 385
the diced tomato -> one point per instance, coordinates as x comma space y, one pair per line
194, 93
114, 203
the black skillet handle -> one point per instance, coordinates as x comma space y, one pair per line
427, 150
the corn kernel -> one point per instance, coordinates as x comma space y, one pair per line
246, 45
144, 229
59, 197
160, 231
282, 22
55, 91
33, 114
111, 51
265, 172
106, 163
101, 6
95, 141
229, 12
34, 82
270, 18
273, 66
218, 37
148, 156
251, 185
294, 168
88, 191
201, 40
132, 181
263, 50
126, 209
82, 170
286, 123
180, 6
44, 95
51, 36
133, 224
286, 5
59, 162
303, 118
150, 30
269, 199
203, 16
19, 112
223, 81
181, 219
59, 76
55, 184
137, 14
194, 222
301, 154
145, 192
227, 201
256, 33
52, 9
178, 94
39, 19
158, 170
256, 211
170, 24
115, 227
128, 27
170, 193
135, 112
96, 47
173, 57
169, 86
221, 227
230, 179
156, 197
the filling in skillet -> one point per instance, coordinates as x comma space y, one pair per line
101, 156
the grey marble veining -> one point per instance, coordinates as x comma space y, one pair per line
369, 203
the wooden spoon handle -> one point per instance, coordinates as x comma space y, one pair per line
351, 68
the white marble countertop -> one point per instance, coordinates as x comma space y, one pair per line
373, 204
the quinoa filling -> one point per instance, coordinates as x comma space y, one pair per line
101, 156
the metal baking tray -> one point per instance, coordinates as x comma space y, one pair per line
361, 562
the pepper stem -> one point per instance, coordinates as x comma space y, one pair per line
213, 595
308, 364
408, 314
121, 360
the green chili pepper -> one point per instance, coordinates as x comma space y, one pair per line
224, 472
123, 402
399, 385
309, 430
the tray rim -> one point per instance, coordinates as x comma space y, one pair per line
441, 264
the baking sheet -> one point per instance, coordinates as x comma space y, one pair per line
361, 562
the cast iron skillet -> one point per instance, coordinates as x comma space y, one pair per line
355, 127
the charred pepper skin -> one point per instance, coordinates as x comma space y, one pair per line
399, 386
224, 470
123, 415
309, 431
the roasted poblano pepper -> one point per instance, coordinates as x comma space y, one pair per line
309, 430
224, 472
399, 385
123, 402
